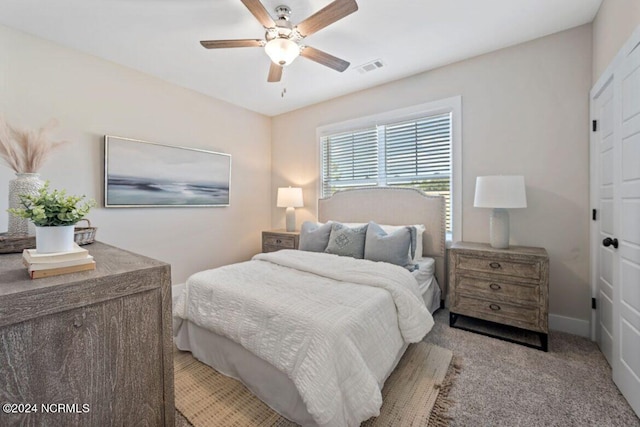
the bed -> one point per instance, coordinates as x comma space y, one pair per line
284, 368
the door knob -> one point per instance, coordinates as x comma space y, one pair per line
609, 242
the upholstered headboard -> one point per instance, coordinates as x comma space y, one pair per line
394, 206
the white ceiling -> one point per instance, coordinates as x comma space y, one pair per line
161, 37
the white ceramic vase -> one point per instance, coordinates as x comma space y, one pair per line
24, 183
54, 239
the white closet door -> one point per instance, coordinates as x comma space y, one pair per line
626, 367
603, 110
615, 192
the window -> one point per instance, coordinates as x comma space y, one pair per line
407, 148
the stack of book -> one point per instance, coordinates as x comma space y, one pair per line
53, 264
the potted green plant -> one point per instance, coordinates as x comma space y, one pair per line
54, 214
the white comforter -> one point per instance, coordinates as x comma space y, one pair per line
333, 324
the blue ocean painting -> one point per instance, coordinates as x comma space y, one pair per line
127, 190
147, 174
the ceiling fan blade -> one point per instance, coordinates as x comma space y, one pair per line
324, 58
261, 14
275, 73
218, 44
326, 16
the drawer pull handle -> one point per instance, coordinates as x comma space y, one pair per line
278, 241
494, 307
494, 265
495, 286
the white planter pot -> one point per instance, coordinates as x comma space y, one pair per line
54, 239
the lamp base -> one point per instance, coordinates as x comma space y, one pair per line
499, 229
291, 219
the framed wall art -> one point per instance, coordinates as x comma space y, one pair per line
148, 174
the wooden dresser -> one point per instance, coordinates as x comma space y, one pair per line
274, 240
505, 286
99, 342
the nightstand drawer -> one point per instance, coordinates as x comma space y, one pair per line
498, 311
275, 240
528, 270
499, 290
282, 242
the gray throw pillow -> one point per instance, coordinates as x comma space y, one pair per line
395, 248
314, 237
347, 241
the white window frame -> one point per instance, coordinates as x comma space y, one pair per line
451, 105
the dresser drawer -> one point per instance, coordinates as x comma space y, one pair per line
282, 242
524, 269
499, 290
499, 311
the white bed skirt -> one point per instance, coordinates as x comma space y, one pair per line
265, 381
231, 359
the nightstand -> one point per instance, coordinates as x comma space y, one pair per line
503, 286
274, 240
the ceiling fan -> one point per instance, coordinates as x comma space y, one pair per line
283, 40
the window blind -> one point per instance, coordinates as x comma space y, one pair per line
418, 149
412, 153
349, 160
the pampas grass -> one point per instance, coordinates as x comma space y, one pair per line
24, 150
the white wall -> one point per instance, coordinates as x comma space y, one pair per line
525, 111
613, 25
92, 97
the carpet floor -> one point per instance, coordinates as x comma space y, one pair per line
505, 384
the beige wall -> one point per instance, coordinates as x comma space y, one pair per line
92, 97
615, 22
525, 111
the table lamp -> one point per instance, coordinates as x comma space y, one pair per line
290, 198
500, 192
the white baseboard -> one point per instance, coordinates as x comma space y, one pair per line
570, 325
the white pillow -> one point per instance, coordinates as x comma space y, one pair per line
420, 229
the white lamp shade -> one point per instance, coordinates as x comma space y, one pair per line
289, 197
500, 191
282, 51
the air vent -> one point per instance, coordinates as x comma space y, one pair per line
370, 66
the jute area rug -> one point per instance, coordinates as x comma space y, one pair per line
416, 393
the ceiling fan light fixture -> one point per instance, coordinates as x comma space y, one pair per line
283, 40
282, 51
